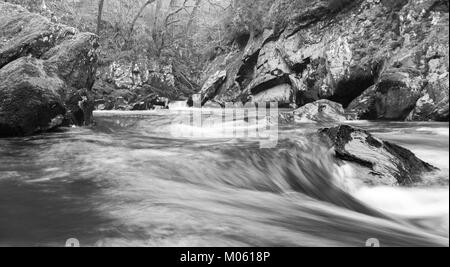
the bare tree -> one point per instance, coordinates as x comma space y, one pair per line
138, 15
162, 32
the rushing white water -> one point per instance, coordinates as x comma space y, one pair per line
178, 105
134, 180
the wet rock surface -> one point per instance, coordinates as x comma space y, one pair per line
383, 162
321, 111
24, 33
47, 71
211, 86
30, 98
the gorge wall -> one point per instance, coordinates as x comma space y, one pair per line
380, 59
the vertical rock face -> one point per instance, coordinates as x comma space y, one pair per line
379, 59
46, 73
209, 89
414, 81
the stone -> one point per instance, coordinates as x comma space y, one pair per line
320, 111
380, 162
363, 107
30, 98
24, 33
75, 60
47, 72
281, 94
396, 95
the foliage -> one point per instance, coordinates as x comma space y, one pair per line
252, 17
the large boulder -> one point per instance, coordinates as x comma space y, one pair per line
30, 98
321, 111
47, 71
395, 95
75, 60
429, 108
363, 107
379, 162
23, 33
433, 104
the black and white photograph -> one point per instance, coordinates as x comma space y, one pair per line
236, 125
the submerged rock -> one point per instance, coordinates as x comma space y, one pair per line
47, 71
385, 162
321, 111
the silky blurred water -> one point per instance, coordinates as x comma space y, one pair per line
131, 180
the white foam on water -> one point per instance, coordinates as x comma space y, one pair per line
439, 159
430, 206
437, 131
178, 105
217, 130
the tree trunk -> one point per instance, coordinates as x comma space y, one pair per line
155, 14
193, 16
99, 17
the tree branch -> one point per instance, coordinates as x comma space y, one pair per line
138, 15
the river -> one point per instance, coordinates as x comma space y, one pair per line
133, 180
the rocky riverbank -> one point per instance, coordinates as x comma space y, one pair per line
381, 60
